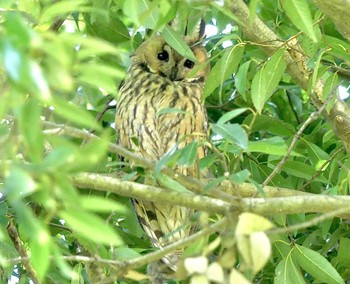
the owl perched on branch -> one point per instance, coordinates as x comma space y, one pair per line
160, 78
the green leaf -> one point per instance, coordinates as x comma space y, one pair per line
125, 253
232, 132
318, 266
171, 110
316, 155
207, 161
90, 226
266, 80
230, 115
170, 183
241, 79
60, 157
271, 124
250, 223
188, 154
223, 68
110, 28
40, 248
23, 71
288, 272
18, 184
343, 253
330, 88
239, 177
178, 43
339, 48
272, 146
63, 7
73, 113
100, 204
299, 13
252, 242
142, 12
106, 79
89, 46
30, 125
301, 170
253, 4
168, 159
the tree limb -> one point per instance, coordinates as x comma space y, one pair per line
230, 189
264, 206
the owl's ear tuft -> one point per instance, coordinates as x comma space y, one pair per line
195, 30
191, 27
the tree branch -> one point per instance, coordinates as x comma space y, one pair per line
264, 206
226, 188
17, 242
152, 193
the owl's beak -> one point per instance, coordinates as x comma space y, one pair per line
173, 74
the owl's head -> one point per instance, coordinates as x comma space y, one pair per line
157, 57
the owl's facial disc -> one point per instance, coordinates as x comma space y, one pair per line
157, 57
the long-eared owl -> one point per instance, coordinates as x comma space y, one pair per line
160, 78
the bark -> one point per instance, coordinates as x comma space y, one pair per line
304, 203
339, 12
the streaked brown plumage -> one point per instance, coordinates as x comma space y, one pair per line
158, 78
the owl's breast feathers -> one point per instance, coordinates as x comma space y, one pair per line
154, 113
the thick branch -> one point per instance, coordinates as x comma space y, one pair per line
263, 206
152, 193
241, 190
339, 12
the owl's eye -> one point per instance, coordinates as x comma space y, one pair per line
163, 56
189, 64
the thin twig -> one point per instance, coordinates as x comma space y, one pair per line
152, 193
319, 171
122, 266
312, 222
296, 137
17, 242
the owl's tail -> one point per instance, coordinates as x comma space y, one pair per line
164, 224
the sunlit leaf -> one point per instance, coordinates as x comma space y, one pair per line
72, 113
30, 124
230, 115
170, 183
18, 184
224, 68
100, 204
63, 7
81, 222
142, 12
232, 132
299, 13
188, 154
252, 242
238, 277
266, 80
40, 249
178, 43
196, 264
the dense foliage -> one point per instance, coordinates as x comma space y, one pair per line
272, 146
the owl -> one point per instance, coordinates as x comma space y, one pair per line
160, 78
